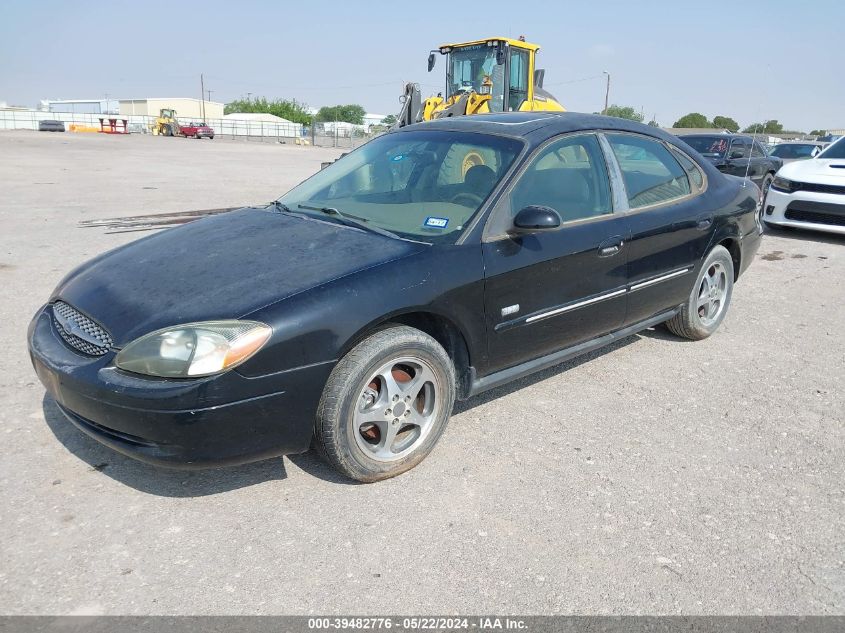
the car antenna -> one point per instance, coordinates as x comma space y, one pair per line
754, 135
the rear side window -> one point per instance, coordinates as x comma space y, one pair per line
693, 170
651, 173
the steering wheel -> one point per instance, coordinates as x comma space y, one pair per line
473, 198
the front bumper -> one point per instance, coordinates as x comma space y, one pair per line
805, 210
193, 423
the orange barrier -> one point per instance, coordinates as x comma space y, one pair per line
78, 127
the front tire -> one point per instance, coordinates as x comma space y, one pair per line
385, 404
709, 299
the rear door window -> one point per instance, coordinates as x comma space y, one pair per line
652, 175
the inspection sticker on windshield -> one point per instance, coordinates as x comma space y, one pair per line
436, 223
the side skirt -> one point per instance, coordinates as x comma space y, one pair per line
505, 376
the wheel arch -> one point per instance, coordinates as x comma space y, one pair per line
731, 244
440, 327
728, 236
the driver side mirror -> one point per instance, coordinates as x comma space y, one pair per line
535, 218
738, 153
431, 61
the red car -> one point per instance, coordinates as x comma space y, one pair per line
197, 130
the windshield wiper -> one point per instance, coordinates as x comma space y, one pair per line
350, 220
281, 206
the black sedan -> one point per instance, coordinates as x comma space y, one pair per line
737, 155
51, 126
430, 264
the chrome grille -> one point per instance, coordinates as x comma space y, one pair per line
79, 331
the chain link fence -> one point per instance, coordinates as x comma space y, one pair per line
330, 134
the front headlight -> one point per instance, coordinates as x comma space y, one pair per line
194, 349
783, 184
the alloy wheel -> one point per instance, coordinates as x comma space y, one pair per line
711, 294
396, 408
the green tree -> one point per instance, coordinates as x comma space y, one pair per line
725, 123
693, 119
352, 113
653, 123
292, 110
769, 127
818, 133
389, 120
624, 112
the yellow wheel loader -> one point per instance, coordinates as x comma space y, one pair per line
497, 74
166, 124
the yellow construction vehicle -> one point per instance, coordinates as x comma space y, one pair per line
496, 74
166, 124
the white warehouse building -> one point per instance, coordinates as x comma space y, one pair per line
186, 109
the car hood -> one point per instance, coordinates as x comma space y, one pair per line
221, 267
828, 171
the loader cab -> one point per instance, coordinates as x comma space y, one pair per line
509, 65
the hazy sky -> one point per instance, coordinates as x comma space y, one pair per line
748, 59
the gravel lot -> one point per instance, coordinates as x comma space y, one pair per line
657, 476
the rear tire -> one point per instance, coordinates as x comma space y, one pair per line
709, 298
385, 404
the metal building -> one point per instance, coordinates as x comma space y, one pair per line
186, 109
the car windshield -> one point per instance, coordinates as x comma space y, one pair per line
794, 150
469, 65
420, 185
708, 145
837, 150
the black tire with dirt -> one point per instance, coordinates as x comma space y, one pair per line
692, 321
335, 430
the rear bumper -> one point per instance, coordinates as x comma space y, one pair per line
216, 421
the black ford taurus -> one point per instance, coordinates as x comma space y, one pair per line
430, 264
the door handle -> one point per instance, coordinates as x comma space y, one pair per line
610, 247
704, 223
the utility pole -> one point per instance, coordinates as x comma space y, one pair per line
607, 92
202, 96
209, 95
249, 96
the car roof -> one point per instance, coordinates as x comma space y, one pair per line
535, 126
717, 134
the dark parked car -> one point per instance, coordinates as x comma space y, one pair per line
430, 264
51, 126
797, 150
738, 155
